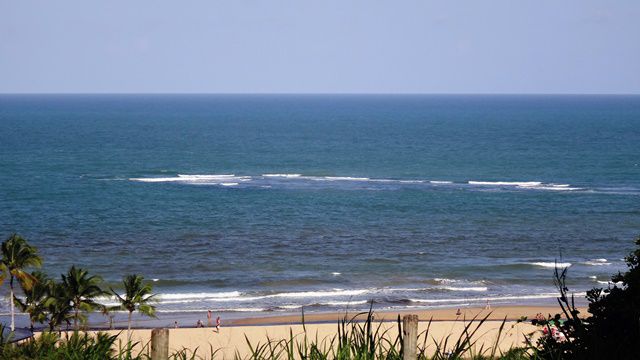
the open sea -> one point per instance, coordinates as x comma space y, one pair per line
262, 204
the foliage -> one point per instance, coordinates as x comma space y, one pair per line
58, 305
137, 296
35, 298
77, 346
17, 255
368, 340
613, 328
81, 290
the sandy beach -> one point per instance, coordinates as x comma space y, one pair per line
232, 337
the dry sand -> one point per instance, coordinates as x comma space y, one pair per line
231, 338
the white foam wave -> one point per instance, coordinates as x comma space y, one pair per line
196, 179
535, 185
283, 175
619, 283
491, 298
242, 310
181, 296
506, 183
345, 178
206, 177
440, 182
557, 188
336, 273
321, 293
344, 303
236, 296
165, 179
411, 181
229, 184
468, 288
597, 262
551, 264
445, 280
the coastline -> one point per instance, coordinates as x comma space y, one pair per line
235, 335
188, 319
497, 313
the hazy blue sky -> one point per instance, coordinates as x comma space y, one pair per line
323, 46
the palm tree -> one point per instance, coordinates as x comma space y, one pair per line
58, 305
81, 289
137, 295
35, 298
17, 255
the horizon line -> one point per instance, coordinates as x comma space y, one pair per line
325, 93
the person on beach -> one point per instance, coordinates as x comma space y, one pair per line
209, 318
175, 324
218, 324
199, 324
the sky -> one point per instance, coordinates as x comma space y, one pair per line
328, 46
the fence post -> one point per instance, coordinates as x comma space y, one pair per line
159, 344
410, 337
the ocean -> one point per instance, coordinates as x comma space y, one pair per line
262, 204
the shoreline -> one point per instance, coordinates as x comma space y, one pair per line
235, 336
188, 319
497, 313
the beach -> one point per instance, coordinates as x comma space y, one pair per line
233, 337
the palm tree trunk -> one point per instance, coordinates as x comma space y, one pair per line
129, 327
13, 313
75, 320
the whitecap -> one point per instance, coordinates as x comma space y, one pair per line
242, 310
619, 283
283, 175
506, 183
445, 280
321, 293
345, 178
551, 264
469, 288
344, 303
492, 298
597, 262
195, 179
440, 182
202, 295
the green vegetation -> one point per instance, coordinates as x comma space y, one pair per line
81, 290
368, 341
67, 301
613, 328
16, 256
137, 295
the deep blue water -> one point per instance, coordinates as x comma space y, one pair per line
406, 200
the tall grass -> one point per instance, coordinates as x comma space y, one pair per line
369, 340
354, 340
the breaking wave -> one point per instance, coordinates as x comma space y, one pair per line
297, 180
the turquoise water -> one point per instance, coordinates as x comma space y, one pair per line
410, 201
